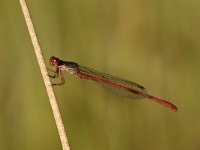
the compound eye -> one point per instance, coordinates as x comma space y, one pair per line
54, 60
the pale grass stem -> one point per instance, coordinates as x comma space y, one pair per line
43, 69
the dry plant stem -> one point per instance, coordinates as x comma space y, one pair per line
45, 76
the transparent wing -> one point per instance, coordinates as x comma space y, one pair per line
116, 80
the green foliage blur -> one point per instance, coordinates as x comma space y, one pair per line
154, 43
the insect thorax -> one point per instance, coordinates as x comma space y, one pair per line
72, 68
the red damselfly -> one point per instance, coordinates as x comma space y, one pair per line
114, 84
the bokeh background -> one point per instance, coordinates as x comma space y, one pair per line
154, 43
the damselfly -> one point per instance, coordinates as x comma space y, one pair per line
114, 84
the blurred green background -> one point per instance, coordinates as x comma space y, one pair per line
154, 43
